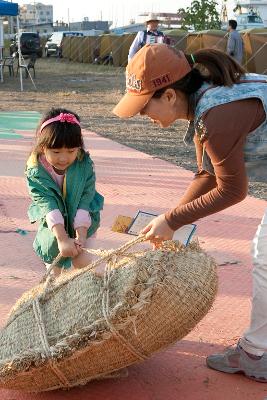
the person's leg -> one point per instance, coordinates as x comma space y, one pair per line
250, 354
59, 271
56, 271
82, 260
255, 338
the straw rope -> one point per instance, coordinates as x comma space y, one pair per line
41, 327
111, 258
48, 278
104, 256
105, 299
105, 310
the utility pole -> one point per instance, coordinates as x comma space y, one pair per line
34, 12
224, 14
11, 24
69, 19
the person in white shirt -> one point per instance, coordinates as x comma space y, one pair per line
148, 36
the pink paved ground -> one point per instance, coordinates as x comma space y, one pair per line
131, 180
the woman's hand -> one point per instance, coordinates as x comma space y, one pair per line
67, 247
158, 230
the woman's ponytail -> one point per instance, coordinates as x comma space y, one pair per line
222, 69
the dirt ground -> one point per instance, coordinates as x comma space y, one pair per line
92, 91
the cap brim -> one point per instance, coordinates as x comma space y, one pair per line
131, 105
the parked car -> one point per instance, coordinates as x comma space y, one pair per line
53, 45
30, 43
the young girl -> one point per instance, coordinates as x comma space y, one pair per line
228, 109
61, 182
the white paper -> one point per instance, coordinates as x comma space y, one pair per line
185, 234
142, 219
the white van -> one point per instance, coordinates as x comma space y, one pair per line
53, 45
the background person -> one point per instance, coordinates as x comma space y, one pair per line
235, 45
166, 87
150, 35
61, 182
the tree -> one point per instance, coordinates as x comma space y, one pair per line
201, 15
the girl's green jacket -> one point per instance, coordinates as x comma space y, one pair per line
78, 192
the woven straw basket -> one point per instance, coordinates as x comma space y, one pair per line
68, 331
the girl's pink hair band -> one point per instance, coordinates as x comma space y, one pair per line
70, 118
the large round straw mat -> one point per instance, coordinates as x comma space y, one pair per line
83, 326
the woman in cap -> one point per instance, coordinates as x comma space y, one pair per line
227, 109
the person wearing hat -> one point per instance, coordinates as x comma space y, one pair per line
227, 108
150, 35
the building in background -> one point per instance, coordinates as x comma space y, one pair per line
132, 28
87, 25
166, 21
35, 14
43, 29
256, 6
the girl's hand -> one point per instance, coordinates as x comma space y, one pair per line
158, 230
79, 243
67, 247
81, 236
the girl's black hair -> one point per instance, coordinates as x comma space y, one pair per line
58, 134
219, 69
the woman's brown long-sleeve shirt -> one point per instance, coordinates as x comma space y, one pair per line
226, 128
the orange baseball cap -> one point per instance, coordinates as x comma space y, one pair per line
153, 67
